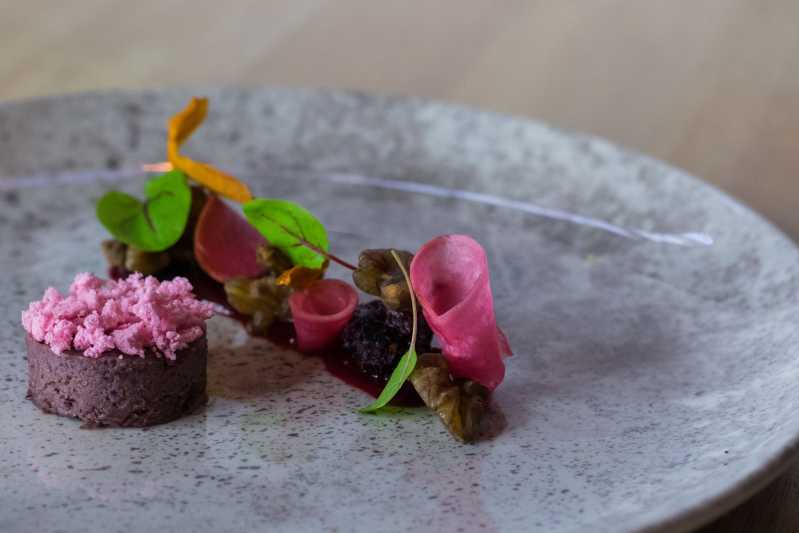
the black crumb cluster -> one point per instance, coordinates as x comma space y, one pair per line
376, 337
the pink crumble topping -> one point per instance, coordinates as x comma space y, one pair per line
128, 315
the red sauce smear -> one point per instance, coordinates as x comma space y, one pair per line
338, 362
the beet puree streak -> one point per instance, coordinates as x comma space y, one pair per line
337, 361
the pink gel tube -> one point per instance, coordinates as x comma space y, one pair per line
321, 311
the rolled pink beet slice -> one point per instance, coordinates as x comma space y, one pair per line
321, 311
450, 277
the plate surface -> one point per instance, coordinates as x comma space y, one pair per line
654, 385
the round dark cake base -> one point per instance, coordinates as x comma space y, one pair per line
110, 390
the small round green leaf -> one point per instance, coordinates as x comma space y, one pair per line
291, 228
155, 224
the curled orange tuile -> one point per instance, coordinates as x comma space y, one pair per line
181, 126
299, 277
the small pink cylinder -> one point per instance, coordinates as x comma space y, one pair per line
321, 311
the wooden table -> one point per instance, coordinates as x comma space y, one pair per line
709, 85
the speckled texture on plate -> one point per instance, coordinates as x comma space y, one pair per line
653, 385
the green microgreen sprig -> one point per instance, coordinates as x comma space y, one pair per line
407, 362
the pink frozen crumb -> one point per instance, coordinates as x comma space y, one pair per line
129, 315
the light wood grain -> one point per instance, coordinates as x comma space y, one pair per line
709, 85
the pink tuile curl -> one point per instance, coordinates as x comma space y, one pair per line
450, 278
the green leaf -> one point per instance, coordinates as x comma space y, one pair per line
401, 373
407, 362
155, 224
291, 228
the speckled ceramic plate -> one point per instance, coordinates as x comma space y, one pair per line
655, 382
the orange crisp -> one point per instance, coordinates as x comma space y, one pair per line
299, 277
181, 126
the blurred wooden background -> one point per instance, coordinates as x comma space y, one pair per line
709, 85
